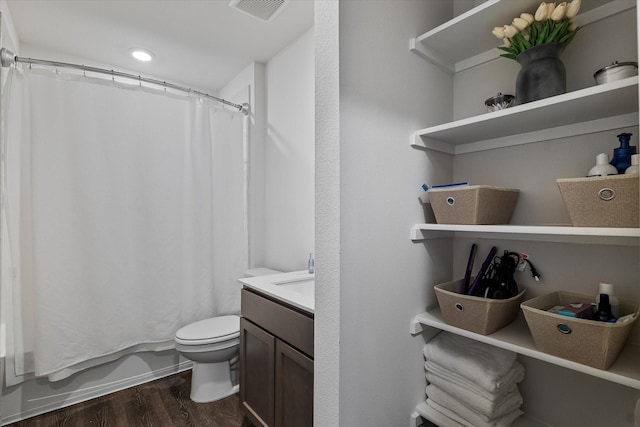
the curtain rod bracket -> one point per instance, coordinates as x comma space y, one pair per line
245, 108
7, 58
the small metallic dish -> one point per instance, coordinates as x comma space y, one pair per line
499, 102
616, 71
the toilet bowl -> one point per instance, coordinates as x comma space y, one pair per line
211, 344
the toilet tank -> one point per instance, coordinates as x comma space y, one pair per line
260, 271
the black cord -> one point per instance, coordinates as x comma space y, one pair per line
534, 272
498, 282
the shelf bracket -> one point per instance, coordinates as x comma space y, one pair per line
416, 420
424, 143
432, 56
415, 327
418, 234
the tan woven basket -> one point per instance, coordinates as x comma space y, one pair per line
473, 204
589, 342
610, 201
480, 315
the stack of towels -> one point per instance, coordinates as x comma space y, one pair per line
472, 383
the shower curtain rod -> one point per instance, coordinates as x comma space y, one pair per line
7, 58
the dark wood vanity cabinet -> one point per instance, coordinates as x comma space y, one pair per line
276, 362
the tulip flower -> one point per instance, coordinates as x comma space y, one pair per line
529, 17
520, 24
551, 23
573, 8
550, 8
541, 13
559, 12
510, 31
498, 32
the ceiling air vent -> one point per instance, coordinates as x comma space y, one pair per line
264, 10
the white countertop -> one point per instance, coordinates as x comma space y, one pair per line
295, 288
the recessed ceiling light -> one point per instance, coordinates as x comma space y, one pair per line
141, 55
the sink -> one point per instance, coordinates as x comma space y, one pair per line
296, 287
302, 285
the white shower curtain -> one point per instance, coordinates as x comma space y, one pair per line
123, 217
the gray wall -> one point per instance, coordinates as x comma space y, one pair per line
380, 276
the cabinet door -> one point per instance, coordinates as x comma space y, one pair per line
294, 387
257, 350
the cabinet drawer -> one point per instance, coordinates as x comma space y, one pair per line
289, 325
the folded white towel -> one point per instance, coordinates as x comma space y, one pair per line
488, 389
480, 363
463, 408
491, 408
504, 421
436, 417
470, 400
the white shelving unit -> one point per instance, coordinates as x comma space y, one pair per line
594, 109
444, 47
557, 234
560, 116
516, 337
426, 412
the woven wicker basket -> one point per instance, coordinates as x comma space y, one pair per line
480, 315
610, 201
589, 342
473, 204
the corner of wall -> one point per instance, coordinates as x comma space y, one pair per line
327, 214
253, 78
10, 38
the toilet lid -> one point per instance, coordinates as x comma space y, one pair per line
211, 330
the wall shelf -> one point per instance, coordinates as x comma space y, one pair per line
564, 115
447, 45
517, 338
426, 412
557, 234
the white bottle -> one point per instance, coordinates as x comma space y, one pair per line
607, 288
602, 167
311, 264
635, 165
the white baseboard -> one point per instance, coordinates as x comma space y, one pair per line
48, 401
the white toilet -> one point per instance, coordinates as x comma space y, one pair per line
211, 344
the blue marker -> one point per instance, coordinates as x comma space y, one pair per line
457, 184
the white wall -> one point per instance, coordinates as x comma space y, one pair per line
326, 383
381, 278
289, 157
281, 94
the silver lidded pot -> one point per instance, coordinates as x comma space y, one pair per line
616, 71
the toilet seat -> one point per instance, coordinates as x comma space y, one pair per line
209, 331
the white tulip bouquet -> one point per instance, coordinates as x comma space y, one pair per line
550, 24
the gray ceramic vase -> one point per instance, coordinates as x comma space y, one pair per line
542, 73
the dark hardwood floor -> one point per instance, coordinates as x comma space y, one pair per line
160, 403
